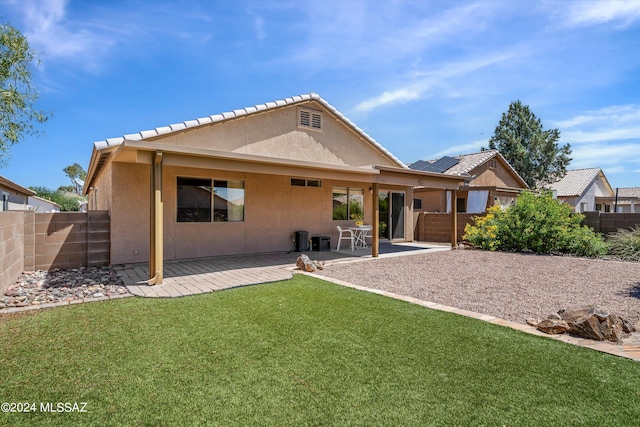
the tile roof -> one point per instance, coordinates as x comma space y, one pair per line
164, 130
468, 162
575, 182
629, 192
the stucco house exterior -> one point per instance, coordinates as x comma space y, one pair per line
14, 197
245, 181
489, 179
628, 199
624, 200
40, 205
585, 190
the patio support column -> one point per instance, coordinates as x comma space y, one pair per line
454, 218
375, 208
156, 222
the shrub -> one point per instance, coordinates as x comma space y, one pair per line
626, 243
536, 223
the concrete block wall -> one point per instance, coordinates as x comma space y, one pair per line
608, 222
71, 239
11, 248
43, 241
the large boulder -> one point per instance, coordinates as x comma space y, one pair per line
596, 323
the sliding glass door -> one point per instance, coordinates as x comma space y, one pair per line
392, 210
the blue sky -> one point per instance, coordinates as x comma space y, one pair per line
423, 78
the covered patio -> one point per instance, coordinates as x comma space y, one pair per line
204, 275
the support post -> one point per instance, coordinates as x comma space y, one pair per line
454, 219
375, 232
156, 222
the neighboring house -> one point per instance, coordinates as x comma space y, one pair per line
489, 180
14, 197
40, 205
585, 190
244, 182
625, 200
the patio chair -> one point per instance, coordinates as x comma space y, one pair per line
345, 234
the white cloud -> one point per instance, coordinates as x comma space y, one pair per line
423, 81
613, 115
471, 147
605, 156
604, 11
607, 136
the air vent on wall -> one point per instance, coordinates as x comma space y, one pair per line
310, 119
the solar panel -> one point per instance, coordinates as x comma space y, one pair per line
444, 163
439, 166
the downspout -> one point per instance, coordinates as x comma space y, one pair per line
155, 222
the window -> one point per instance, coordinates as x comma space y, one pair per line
195, 198
310, 119
417, 203
493, 163
348, 203
599, 207
300, 182
607, 208
228, 201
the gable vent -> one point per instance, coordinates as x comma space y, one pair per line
310, 119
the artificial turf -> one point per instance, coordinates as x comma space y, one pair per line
300, 352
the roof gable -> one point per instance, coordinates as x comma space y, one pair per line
466, 163
269, 107
577, 181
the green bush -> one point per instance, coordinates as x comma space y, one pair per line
536, 223
626, 243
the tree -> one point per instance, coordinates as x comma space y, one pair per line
68, 201
76, 174
532, 151
17, 115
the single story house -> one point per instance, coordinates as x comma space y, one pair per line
245, 181
585, 190
14, 197
625, 200
488, 179
40, 205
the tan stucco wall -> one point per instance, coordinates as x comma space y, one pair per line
432, 200
275, 134
129, 213
274, 211
498, 177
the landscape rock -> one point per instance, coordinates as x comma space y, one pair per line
305, 263
596, 323
53, 286
533, 322
553, 326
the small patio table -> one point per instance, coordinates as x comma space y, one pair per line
360, 235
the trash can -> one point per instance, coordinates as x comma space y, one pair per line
321, 243
302, 241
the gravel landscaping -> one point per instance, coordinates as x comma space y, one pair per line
506, 285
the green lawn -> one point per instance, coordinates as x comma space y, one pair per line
301, 352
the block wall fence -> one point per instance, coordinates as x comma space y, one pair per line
43, 241
606, 222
